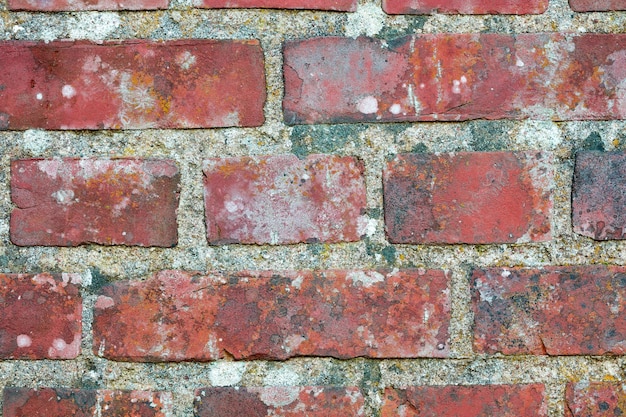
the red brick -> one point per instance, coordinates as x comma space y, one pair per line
466, 401
285, 401
68, 5
68, 202
340, 5
131, 84
465, 7
491, 197
595, 399
281, 199
599, 195
597, 5
554, 310
431, 77
176, 316
41, 316
61, 402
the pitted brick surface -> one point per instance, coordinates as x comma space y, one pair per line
178, 316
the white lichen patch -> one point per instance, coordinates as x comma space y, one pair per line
64, 197
226, 374
50, 167
60, 349
279, 396
93, 25
365, 278
282, 376
368, 105
367, 20
68, 91
23, 341
186, 60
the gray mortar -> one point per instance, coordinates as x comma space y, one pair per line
374, 144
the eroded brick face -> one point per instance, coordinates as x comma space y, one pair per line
490, 197
50, 402
68, 202
40, 316
465, 7
176, 316
67, 5
599, 195
286, 401
439, 77
597, 5
595, 399
131, 84
339, 5
553, 310
281, 199
466, 401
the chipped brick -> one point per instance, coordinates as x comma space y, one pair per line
41, 316
70, 5
177, 316
61, 402
465, 7
451, 77
281, 199
490, 197
68, 202
285, 401
338, 5
599, 195
595, 399
465, 401
597, 5
553, 310
132, 84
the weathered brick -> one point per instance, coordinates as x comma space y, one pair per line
131, 84
339, 5
67, 5
553, 310
68, 202
40, 316
599, 195
595, 399
176, 316
465, 7
285, 401
466, 401
431, 77
597, 5
281, 199
490, 197
62, 402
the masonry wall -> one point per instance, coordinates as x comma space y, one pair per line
380, 209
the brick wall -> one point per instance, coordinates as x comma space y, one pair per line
321, 208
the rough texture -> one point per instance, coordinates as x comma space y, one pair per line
131, 84
466, 401
285, 401
280, 199
596, 399
342, 5
597, 5
599, 195
465, 7
67, 5
176, 316
50, 402
455, 77
553, 310
68, 202
491, 197
41, 316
